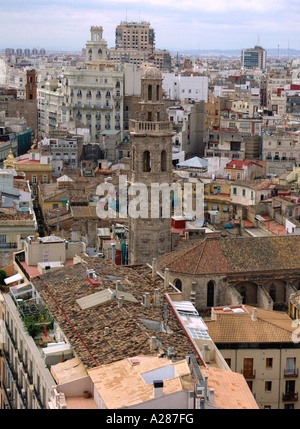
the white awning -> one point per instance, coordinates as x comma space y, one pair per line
13, 279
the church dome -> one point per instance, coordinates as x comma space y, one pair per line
152, 72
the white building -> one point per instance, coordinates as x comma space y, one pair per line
178, 87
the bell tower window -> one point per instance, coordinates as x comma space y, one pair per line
149, 92
146, 162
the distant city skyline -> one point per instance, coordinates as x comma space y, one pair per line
179, 24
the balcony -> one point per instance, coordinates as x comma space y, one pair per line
248, 373
290, 397
38, 397
8, 245
291, 373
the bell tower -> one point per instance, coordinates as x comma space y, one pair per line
96, 48
151, 162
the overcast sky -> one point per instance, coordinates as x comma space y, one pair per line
178, 24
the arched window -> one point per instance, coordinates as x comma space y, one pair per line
98, 94
157, 92
90, 51
243, 294
178, 284
99, 51
117, 84
210, 293
163, 161
146, 161
150, 92
272, 292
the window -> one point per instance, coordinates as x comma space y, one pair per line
178, 284
46, 255
288, 406
3, 238
269, 363
210, 293
228, 361
33, 179
146, 161
234, 191
290, 365
163, 160
267, 407
244, 192
149, 92
268, 386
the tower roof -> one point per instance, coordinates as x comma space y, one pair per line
152, 72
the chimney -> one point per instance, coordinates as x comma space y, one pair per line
211, 395
206, 353
158, 388
121, 301
167, 281
147, 299
153, 344
156, 298
205, 386
254, 315
113, 252
118, 287
171, 352
106, 330
202, 403
154, 267
193, 293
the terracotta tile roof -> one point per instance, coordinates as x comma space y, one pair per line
128, 336
234, 255
239, 164
270, 327
231, 389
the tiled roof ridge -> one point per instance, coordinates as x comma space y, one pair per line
188, 249
200, 256
268, 321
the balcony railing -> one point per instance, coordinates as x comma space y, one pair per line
8, 397
20, 257
248, 373
8, 245
290, 396
10, 335
291, 373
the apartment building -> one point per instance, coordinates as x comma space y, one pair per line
135, 44
180, 87
228, 143
90, 97
17, 217
217, 200
26, 380
251, 192
259, 344
36, 166
244, 170
280, 150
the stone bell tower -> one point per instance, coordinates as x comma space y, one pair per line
151, 162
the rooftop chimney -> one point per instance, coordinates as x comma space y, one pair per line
167, 281
154, 267
211, 395
106, 330
156, 298
118, 287
153, 344
158, 388
147, 299
254, 315
121, 301
206, 353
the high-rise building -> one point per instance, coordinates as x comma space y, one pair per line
134, 35
151, 162
35, 51
27, 52
253, 58
135, 43
42, 51
19, 52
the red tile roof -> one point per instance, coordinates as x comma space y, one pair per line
238, 164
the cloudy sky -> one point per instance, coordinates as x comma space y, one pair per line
178, 24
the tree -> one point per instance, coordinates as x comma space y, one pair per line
3, 276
